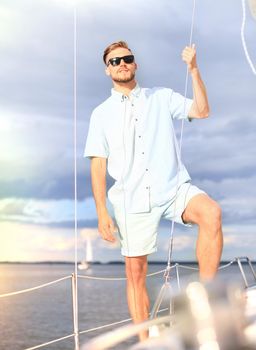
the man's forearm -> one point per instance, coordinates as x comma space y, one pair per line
98, 176
200, 107
106, 225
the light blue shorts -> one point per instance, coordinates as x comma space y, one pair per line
138, 232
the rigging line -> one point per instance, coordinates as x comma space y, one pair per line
243, 39
179, 148
74, 277
75, 133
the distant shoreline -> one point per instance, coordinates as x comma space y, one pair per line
115, 262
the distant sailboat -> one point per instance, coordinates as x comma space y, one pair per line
85, 264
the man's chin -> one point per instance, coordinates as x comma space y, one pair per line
124, 80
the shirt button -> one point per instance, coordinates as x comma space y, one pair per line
143, 152
139, 136
146, 169
136, 119
147, 188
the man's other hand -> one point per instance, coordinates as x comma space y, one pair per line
106, 227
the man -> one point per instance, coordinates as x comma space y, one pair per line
131, 134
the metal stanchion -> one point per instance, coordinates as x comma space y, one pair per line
75, 310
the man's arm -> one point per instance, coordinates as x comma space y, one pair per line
98, 176
200, 107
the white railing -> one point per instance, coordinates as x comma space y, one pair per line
74, 277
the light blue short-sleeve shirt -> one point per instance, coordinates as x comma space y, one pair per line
137, 137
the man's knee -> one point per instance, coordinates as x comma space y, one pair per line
215, 214
211, 216
136, 269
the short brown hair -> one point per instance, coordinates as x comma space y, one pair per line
114, 46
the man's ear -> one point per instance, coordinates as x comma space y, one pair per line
107, 71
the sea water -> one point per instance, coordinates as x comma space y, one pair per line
45, 314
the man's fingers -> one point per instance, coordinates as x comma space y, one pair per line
112, 226
189, 50
187, 55
107, 233
107, 236
111, 236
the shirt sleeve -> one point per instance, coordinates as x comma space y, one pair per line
179, 106
96, 143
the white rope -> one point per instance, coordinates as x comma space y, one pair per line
86, 331
105, 326
114, 323
178, 150
50, 342
188, 267
196, 268
105, 278
109, 324
243, 39
118, 278
102, 278
113, 338
33, 288
227, 265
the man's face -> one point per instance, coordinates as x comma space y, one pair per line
124, 72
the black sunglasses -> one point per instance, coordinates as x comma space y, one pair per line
117, 60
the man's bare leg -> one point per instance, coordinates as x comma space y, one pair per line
206, 213
137, 296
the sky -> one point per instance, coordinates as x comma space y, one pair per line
36, 117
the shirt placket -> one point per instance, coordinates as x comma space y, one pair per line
136, 106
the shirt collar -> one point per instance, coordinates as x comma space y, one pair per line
119, 95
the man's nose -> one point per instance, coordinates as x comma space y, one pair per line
122, 62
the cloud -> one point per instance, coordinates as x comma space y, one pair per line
12, 208
31, 63
46, 212
36, 104
91, 233
31, 242
21, 242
